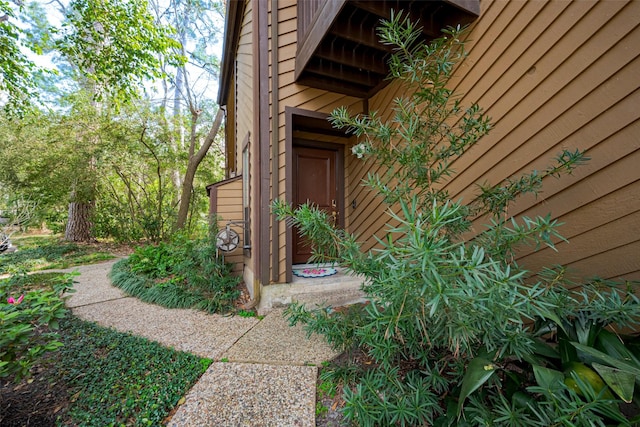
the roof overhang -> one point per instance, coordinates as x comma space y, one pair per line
232, 27
338, 47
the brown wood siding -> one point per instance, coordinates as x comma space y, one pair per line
226, 198
231, 138
552, 75
244, 83
244, 107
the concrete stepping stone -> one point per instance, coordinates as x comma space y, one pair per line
252, 395
273, 341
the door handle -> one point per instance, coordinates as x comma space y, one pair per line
334, 211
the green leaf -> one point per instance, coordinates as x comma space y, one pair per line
550, 315
567, 352
521, 399
617, 363
620, 381
543, 349
547, 378
478, 372
611, 344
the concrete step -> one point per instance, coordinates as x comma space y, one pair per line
337, 290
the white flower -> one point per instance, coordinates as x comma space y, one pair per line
360, 150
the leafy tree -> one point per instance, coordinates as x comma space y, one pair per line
15, 68
115, 45
104, 147
194, 131
122, 157
194, 160
48, 155
135, 178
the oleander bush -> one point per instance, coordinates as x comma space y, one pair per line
454, 331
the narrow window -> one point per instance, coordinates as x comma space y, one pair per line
246, 174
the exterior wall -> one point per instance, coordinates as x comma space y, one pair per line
226, 204
552, 75
244, 84
291, 94
369, 216
243, 112
231, 157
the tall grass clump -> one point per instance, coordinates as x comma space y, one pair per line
454, 331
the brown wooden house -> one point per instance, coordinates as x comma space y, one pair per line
551, 74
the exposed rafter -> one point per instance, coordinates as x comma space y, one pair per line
338, 48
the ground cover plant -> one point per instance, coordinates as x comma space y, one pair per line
101, 377
48, 252
454, 331
183, 273
58, 370
132, 380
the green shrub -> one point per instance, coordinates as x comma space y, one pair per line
152, 260
444, 313
185, 273
28, 322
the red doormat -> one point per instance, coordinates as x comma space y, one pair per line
315, 272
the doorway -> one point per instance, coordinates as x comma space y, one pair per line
317, 179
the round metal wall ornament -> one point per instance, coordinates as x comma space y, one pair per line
227, 240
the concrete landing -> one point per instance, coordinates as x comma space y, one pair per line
274, 342
336, 291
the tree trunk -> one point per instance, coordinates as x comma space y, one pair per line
178, 142
192, 166
79, 222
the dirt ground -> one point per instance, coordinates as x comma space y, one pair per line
36, 402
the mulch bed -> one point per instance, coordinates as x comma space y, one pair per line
36, 402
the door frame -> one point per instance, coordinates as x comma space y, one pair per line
323, 128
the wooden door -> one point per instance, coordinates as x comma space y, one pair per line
315, 180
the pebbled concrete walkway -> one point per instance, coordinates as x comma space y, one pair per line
264, 372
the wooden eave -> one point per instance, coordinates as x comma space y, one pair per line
221, 183
232, 27
339, 48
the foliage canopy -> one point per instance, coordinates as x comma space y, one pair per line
97, 137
